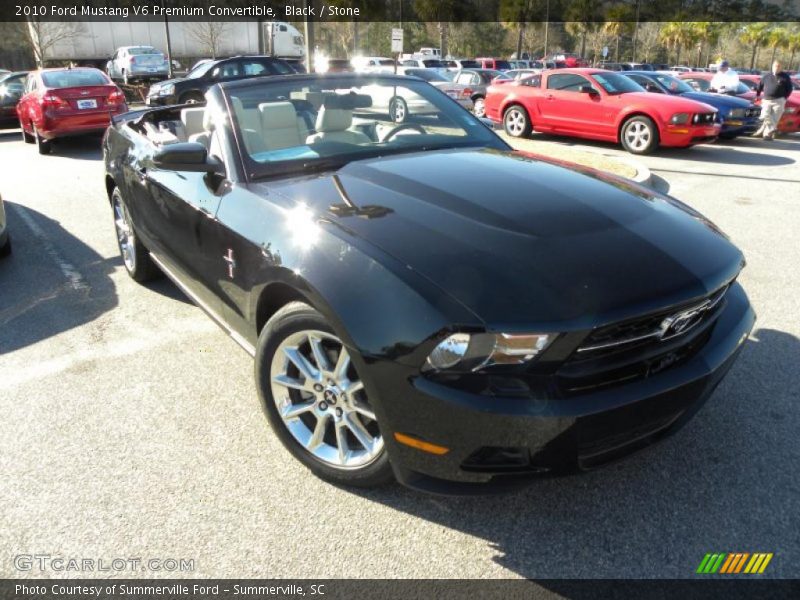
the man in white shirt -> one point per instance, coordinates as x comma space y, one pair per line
725, 80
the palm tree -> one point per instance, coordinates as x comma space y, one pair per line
619, 23
582, 17
707, 34
754, 34
793, 45
777, 38
677, 35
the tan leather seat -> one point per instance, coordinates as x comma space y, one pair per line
280, 127
192, 119
333, 125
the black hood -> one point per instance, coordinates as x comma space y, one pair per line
521, 241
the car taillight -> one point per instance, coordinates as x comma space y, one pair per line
53, 101
466, 93
116, 97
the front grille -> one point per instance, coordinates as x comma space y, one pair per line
641, 347
704, 118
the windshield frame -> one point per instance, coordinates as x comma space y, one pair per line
478, 135
597, 78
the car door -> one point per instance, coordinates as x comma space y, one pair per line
565, 108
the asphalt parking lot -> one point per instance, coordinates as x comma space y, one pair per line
131, 426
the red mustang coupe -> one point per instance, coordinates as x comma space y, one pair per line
790, 121
65, 102
600, 105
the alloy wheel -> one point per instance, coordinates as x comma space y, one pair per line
515, 122
479, 107
638, 135
322, 401
125, 235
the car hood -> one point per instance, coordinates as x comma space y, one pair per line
161, 84
521, 241
717, 100
665, 101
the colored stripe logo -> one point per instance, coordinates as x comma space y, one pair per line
735, 562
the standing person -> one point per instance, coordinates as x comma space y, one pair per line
776, 87
725, 80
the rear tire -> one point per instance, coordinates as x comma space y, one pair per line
26, 137
639, 135
135, 256
398, 110
516, 122
322, 415
479, 106
42, 145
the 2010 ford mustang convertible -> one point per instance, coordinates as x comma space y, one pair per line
422, 302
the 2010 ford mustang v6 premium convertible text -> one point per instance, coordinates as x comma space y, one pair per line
422, 302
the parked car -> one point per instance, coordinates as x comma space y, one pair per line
336, 65
137, 63
12, 86
789, 122
192, 88
423, 63
516, 74
600, 105
567, 60
478, 80
66, 102
456, 64
372, 64
360, 263
459, 92
5, 237
736, 115
496, 64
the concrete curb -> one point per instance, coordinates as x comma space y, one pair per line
643, 175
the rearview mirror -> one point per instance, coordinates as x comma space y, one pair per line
587, 89
187, 156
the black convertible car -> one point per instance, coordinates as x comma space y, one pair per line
422, 302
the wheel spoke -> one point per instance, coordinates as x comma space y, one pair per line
342, 364
362, 435
291, 382
292, 411
299, 361
355, 386
319, 432
319, 353
361, 409
341, 441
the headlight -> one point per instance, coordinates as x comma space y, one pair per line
471, 352
679, 118
737, 113
166, 90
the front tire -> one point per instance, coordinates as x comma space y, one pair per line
315, 400
135, 256
639, 135
516, 122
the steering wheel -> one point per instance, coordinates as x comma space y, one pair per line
402, 127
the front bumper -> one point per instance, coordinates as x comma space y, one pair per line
734, 127
688, 135
555, 435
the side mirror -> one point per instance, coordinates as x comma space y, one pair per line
187, 156
587, 89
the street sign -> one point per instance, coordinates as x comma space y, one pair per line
397, 40
605, 51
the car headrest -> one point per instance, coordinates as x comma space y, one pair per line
277, 115
313, 98
334, 119
347, 101
192, 119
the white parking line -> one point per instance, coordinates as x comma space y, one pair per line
74, 278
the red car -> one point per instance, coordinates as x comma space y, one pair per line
498, 64
600, 105
567, 59
66, 102
790, 121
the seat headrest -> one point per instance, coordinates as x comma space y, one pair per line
334, 119
275, 115
192, 119
347, 101
315, 99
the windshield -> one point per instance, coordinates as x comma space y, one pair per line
673, 84
200, 69
313, 123
502, 64
426, 75
615, 83
73, 78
